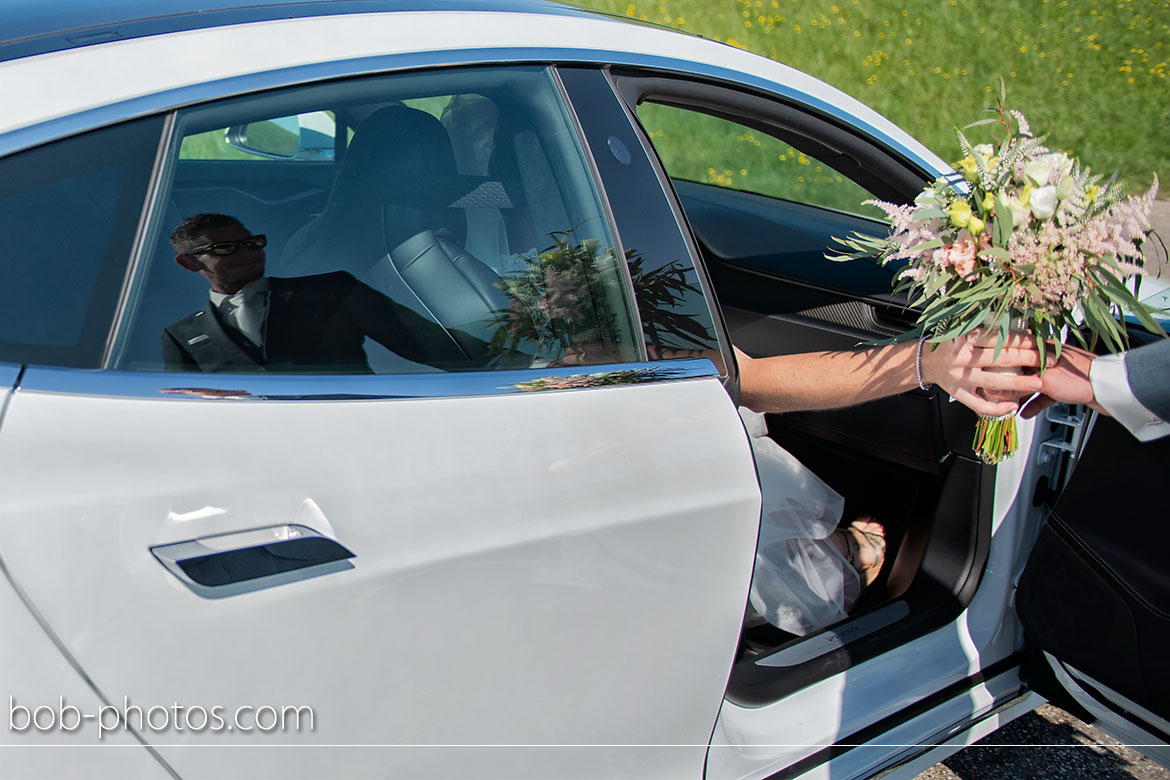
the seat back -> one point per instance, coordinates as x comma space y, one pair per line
389, 222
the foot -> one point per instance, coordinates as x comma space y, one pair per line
863, 544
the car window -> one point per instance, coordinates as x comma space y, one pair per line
302, 137
707, 149
460, 230
69, 211
676, 311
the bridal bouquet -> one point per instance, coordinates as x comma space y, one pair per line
558, 298
1029, 239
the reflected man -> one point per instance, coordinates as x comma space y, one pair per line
256, 323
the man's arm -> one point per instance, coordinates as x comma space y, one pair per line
405, 332
1148, 370
830, 380
1133, 387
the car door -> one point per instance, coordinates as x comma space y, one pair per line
1094, 600
501, 571
764, 177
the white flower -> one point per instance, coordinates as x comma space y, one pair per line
1043, 202
1047, 168
984, 150
1066, 187
1020, 212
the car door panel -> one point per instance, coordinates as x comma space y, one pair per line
518, 560
1094, 595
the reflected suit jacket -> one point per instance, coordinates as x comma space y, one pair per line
316, 324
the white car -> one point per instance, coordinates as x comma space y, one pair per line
511, 543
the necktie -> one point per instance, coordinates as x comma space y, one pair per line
246, 311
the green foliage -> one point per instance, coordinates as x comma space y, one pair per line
659, 293
210, 146
1095, 69
706, 149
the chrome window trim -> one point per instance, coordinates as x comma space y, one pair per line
9, 373
187, 386
92, 119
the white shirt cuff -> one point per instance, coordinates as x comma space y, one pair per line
1111, 389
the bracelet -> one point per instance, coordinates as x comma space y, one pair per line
918, 364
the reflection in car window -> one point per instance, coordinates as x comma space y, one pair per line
675, 314
301, 138
709, 150
461, 230
68, 215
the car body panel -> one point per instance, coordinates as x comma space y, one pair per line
1095, 552
41, 685
34, 28
530, 591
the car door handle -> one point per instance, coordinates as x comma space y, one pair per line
241, 561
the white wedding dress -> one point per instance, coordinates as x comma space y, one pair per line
801, 582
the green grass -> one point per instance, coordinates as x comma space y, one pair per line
1091, 74
707, 149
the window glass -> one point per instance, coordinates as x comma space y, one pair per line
675, 314
461, 230
709, 150
69, 211
301, 137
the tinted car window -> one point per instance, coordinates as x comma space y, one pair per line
68, 215
460, 230
675, 314
301, 138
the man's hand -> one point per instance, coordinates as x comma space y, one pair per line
1067, 381
962, 368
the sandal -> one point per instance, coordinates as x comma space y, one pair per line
865, 535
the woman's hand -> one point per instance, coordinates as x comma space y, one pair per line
960, 367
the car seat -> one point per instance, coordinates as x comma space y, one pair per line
394, 220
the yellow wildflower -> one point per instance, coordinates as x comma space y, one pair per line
969, 168
960, 213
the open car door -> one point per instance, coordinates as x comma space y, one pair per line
1094, 598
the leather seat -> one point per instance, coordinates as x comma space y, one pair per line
390, 222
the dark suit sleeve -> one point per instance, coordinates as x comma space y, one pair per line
1148, 370
175, 358
405, 332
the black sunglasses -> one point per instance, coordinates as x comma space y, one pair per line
225, 248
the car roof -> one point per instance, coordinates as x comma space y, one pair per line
144, 56
34, 27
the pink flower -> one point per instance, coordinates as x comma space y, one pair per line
961, 255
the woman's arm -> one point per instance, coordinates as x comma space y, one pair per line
830, 380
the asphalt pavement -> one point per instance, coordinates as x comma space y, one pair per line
1047, 744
